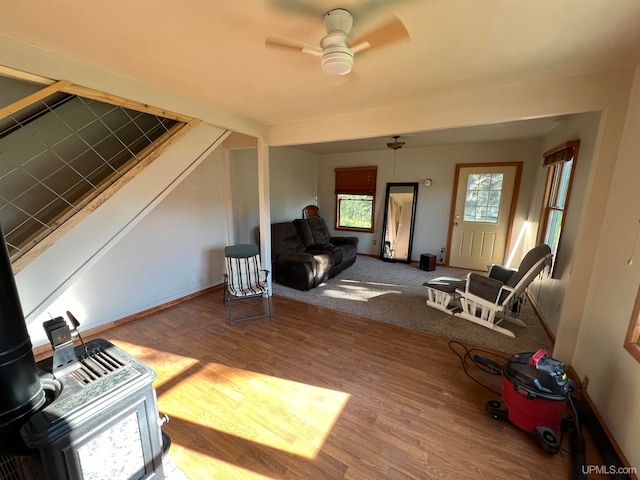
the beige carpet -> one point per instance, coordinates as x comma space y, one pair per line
393, 293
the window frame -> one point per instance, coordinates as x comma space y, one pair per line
555, 160
355, 181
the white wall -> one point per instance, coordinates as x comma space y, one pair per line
243, 169
171, 250
614, 376
292, 177
293, 182
548, 293
434, 202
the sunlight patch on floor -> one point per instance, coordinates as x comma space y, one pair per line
290, 416
377, 284
170, 368
360, 291
211, 467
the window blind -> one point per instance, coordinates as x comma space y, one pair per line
562, 153
356, 180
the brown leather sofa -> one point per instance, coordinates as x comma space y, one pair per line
304, 254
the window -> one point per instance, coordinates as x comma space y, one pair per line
355, 198
482, 203
59, 151
632, 342
355, 211
561, 162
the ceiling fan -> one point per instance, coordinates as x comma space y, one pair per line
336, 50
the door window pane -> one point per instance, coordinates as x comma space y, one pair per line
484, 191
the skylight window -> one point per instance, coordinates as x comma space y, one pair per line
59, 152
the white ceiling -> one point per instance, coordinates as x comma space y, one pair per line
213, 51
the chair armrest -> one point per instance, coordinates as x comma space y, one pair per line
344, 240
264, 274
501, 273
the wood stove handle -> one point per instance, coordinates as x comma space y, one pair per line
164, 418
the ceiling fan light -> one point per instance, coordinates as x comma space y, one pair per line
337, 62
395, 145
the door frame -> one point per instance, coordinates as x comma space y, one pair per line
514, 200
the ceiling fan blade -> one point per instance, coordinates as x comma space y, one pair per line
288, 44
390, 32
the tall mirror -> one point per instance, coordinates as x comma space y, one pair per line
399, 219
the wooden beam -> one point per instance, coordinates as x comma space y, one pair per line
85, 92
33, 98
123, 102
24, 76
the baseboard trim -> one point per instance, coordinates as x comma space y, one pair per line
166, 305
43, 351
543, 322
584, 395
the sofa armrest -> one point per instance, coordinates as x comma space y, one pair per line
300, 257
295, 270
344, 241
320, 247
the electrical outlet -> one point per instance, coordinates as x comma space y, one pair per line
374, 242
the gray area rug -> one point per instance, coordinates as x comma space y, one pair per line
393, 293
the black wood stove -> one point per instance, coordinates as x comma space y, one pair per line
87, 412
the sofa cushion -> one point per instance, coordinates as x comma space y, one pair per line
304, 231
313, 231
285, 238
319, 230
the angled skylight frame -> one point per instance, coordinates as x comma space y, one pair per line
65, 149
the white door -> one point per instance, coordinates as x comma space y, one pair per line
482, 215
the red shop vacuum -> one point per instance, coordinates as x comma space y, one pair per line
535, 392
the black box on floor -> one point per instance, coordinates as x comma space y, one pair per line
427, 262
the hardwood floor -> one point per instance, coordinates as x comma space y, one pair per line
315, 394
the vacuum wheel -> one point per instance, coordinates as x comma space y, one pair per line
547, 439
497, 409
